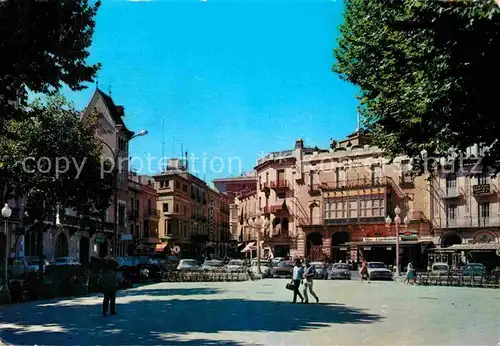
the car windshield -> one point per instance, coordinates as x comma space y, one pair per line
340, 266
235, 263
440, 268
189, 263
286, 264
376, 265
474, 266
62, 260
317, 265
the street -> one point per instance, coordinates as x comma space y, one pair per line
260, 313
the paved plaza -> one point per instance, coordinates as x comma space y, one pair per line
260, 313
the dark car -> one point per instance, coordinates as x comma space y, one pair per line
474, 269
340, 271
284, 269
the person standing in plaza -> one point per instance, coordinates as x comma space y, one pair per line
298, 273
109, 281
410, 273
308, 285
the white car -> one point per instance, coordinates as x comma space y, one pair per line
211, 265
188, 265
264, 268
66, 261
378, 271
236, 266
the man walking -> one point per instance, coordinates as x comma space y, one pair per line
109, 287
309, 276
298, 272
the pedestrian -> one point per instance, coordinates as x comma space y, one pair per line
308, 285
364, 269
298, 273
410, 273
109, 286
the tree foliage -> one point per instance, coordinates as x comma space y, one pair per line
56, 160
43, 45
427, 72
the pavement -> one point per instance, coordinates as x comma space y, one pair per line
260, 313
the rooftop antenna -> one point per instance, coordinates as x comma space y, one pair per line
109, 90
173, 147
358, 121
97, 83
162, 141
182, 149
187, 166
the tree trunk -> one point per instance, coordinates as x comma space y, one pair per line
39, 228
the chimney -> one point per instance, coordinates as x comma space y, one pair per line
187, 166
299, 143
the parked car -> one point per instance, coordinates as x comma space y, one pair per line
340, 271
33, 264
321, 271
264, 268
236, 266
440, 268
378, 271
211, 265
276, 260
474, 269
188, 265
66, 261
284, 269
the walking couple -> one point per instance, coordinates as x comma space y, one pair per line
298, 275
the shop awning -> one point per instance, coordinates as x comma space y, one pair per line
470, 247
255, 247
248, 247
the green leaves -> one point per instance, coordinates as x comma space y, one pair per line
425, 71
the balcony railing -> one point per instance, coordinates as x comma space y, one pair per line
273, 209
279, 184
353, 183
481, 189
451, 192
151, 212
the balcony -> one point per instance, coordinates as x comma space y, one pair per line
451, 193
275, 209
280, 185
151, 212
264, 186
482, 190
353, 184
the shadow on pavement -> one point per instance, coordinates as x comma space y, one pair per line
154, 322
170, 291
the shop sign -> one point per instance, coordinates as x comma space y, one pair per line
367, 248
389, 248
374, 239
126, 237
343, 249
408, 237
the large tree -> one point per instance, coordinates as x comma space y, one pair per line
427, 73
58, 162
43, 45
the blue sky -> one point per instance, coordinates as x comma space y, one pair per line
229, 78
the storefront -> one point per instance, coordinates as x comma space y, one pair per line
461, 254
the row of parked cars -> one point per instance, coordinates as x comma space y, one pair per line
19, 267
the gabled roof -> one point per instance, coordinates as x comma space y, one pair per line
116, 112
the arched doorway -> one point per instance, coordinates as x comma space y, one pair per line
276, 227
103, 249
339, 250
84, 250
62, 247
314, 246
451, 239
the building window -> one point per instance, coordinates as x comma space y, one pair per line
353, 208
185, 210
451, 184
121, 215
376, 208
165, 207
177, 185
184, 188
483, 179
451, 215
176, 207
280, 195
484, 214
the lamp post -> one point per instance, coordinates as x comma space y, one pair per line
397, 222
6, 212
115, 187
258, 224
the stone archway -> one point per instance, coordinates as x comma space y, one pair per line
484, 236
62, 245
450, 239
339, 249
314, 246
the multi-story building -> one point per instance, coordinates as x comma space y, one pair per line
464, 203
143, 215
332, 203
193, 216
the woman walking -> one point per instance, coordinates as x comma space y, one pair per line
410, 273
298, 273
364, 269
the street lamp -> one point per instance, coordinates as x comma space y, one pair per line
115, 187
397, 222
258, 224
6, 212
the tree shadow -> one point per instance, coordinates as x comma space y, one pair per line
170, 291
157, 321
